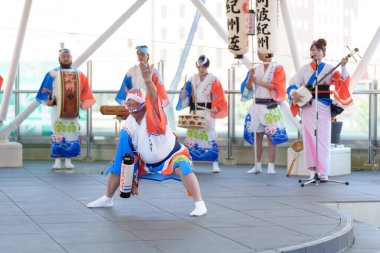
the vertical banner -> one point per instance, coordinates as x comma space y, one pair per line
268, 26
237, 26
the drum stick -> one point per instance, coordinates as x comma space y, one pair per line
292, 165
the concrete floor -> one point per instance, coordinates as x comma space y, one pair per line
45, 211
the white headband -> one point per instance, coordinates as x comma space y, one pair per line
136, 94
201, 63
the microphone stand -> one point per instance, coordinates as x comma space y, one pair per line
316, 178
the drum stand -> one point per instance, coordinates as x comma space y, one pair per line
316, 178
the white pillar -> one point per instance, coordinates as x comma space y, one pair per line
218, 28
119, 22
361, 68
15, 60
4, 133
293, 44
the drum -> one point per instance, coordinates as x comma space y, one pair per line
119, 110
191, 121
305, 96
67, 93
297, 145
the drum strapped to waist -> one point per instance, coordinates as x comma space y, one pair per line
191, 121
67, 93
304, 96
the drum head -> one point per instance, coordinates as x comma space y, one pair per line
297, 145
58, 92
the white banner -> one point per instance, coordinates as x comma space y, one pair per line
268, 25
237, 26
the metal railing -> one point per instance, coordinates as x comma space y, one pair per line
372, 92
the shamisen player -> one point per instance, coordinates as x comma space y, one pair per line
159, 156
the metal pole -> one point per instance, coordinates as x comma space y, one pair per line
89, 113
15, 61
229, 160
232, 106
362, 66
375, 115
229, 138
17, 102
372, 122
293, 42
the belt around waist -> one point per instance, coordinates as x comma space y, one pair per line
264, 101
177, 146
322, 94
207, 105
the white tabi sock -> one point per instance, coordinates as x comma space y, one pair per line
103, 201
200, 209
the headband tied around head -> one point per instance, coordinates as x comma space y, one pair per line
138, 95
64, 51
143, 49
201, 63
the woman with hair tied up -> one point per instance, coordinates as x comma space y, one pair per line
204, 94
306, 76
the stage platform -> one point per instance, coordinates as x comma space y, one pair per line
45, 211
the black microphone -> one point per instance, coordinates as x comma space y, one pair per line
315, 60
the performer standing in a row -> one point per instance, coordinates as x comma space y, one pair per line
306, 77
204, 94
147, 134
134, 79
65, 141
267, 82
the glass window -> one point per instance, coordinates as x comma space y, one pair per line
164, 11
182, 11
182, 33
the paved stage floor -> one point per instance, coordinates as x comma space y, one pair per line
45, 211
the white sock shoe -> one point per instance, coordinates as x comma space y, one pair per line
215, 167
312, 174
68, 164
256, 169
200, 209
103, 201
271, 169
57, 163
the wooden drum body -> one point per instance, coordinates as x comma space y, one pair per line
119, 110
68, 93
